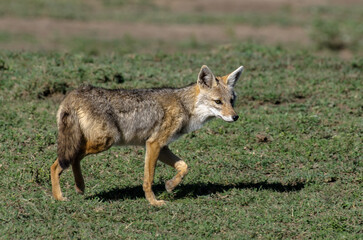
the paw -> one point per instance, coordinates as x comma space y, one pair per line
169, 186
158, 203
61, 198
79, 191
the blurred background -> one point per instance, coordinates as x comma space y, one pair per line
126, 26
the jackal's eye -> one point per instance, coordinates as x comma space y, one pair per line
218, 101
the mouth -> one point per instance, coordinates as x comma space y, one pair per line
226, 119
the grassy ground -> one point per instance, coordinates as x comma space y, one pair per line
290, 167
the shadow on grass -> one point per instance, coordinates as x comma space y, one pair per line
193, 190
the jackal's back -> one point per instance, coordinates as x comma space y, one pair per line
119, 116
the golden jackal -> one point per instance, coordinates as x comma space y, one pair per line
91, 120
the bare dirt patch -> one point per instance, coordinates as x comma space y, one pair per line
49, 32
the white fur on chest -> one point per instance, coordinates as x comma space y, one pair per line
200, 116
196, 121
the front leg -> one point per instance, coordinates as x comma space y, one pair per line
151, 156
167, 157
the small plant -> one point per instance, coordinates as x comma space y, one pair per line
3, 65
328, 35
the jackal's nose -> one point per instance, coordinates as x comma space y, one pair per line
235, 117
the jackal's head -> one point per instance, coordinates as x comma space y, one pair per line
217, 97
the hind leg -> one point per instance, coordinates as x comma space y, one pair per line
99, 144
55, 172
78, 178
167, 157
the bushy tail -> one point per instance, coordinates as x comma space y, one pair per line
70, 138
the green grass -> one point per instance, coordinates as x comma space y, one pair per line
291, 167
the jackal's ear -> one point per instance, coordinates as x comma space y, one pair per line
234, 76
206, 77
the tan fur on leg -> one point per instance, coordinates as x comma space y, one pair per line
167, 157
55, 172
152, 153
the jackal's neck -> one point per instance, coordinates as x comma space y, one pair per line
197, 114
188, 95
